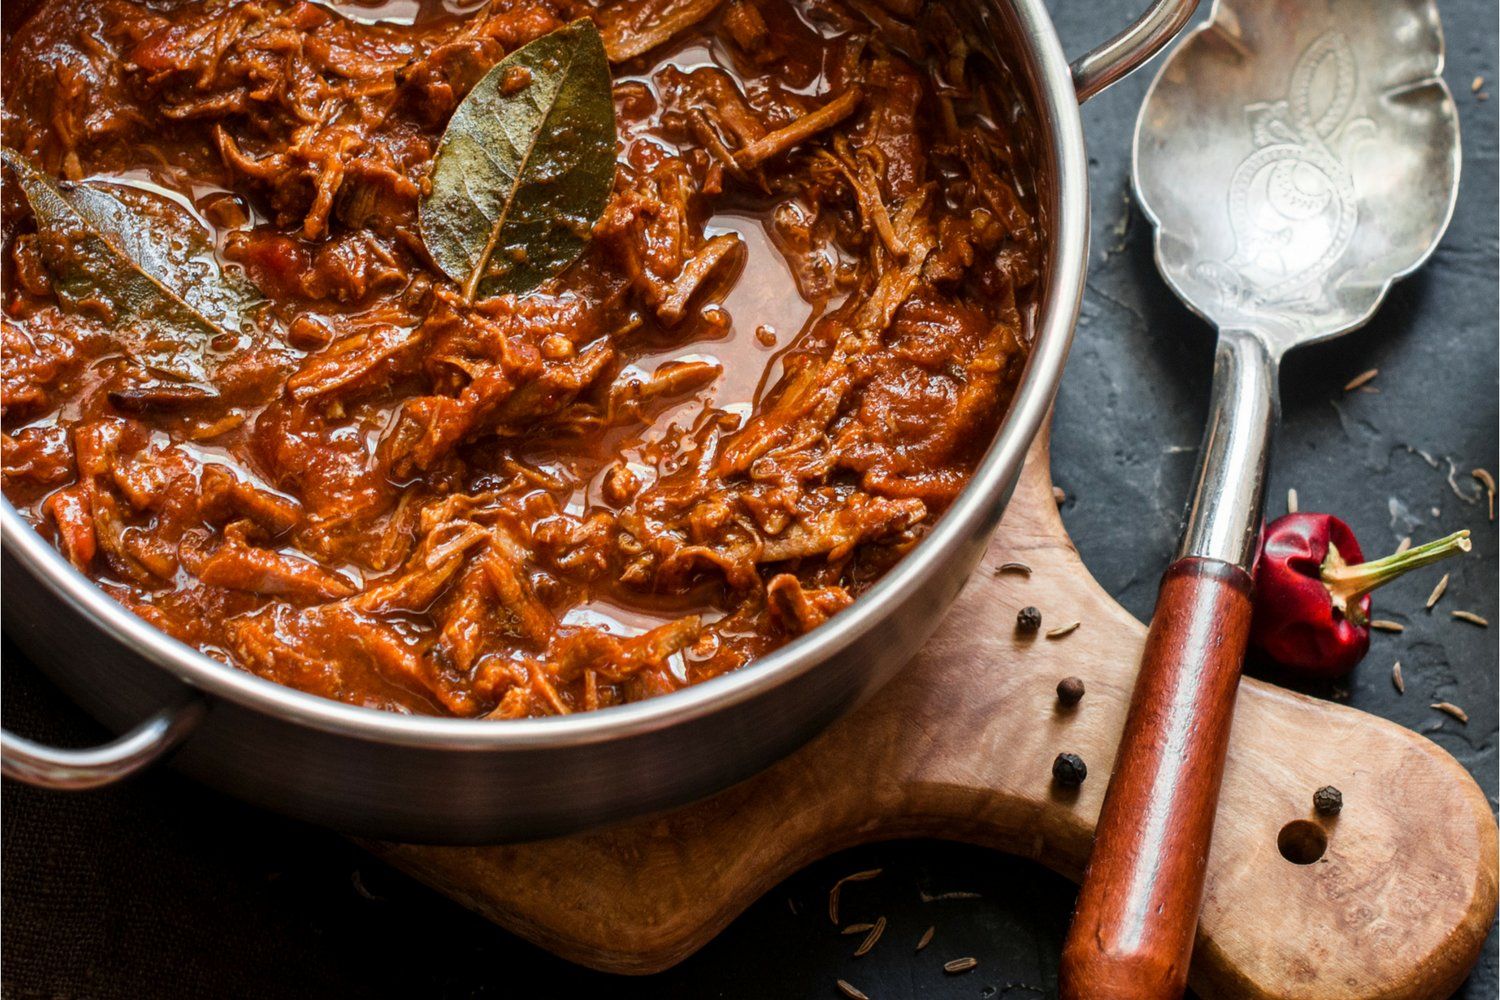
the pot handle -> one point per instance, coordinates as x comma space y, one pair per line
1103, 66
93, 767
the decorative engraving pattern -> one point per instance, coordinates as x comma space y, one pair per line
1292, 203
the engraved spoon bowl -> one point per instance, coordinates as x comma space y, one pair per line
1296, 158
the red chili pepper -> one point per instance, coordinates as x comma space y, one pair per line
1312, 591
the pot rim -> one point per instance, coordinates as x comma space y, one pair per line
1057, 106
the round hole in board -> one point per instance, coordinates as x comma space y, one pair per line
1302, 842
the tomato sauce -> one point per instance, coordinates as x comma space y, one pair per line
791, 335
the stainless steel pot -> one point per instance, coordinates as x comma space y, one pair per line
453, 780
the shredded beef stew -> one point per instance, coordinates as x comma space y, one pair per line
241, 394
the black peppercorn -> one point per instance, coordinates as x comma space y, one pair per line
1069, 691
1028, 619
1328, 801
1069, 770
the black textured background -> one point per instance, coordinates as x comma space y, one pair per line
163, 889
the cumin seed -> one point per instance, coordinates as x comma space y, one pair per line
1013, 567
833, 894
926, 937
1397, 679
1477, 85
1387, 626
1437, 592
871, 938
359, 886
1063, 630
960, 965
930, 898
1360, 379
1488, 482
856, 928
1291, 501
1471, 618
1449, 708
851, 991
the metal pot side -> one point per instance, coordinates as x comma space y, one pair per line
385, 775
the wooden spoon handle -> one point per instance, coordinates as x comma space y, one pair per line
1132, 932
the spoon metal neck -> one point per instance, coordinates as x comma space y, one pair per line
1224, 510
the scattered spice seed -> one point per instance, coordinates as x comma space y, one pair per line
871, 938
1404, 545
833, 894
1058, 633
359, 886
926, 937
1387, 626
1477, 85
959, 965
1488, 482
1328, 801
856, 928
1437, 592
928, 897
1069, 770
852, 992
1291, 501
1059, 496
1070, 691
1014, 567
1453, 710
1360, 379
1397, 679
1471, 618
1028, 620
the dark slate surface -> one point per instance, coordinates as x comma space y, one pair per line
163, 889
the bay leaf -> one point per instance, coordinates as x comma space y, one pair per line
525, 167
140, 264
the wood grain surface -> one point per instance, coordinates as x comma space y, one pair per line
960, 745
1132, 931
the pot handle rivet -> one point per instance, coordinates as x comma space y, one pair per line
1103, 66
93, 767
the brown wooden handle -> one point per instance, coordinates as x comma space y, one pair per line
1132, 933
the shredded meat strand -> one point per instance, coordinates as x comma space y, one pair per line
793, 331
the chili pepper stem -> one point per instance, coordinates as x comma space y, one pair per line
1347, 584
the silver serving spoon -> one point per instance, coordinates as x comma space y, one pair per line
1296, 157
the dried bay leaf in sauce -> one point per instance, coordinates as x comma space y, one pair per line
525, 166
138, 263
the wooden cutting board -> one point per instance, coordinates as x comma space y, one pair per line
960, 745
